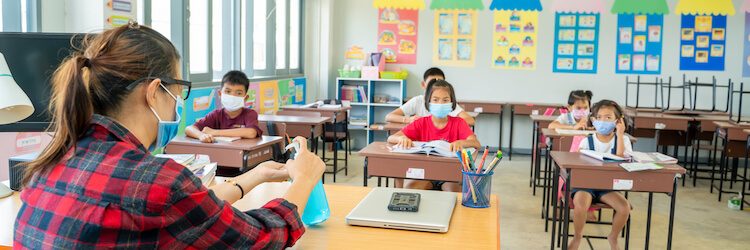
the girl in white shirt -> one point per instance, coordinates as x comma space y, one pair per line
579, 102
608, 119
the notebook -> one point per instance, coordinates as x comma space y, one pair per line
574, 132
206, 174
636, 166
608, 157
439, 147
653, 157
226, 138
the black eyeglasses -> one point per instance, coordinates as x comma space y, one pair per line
166, 81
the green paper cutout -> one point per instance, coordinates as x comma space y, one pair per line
644, 7
457, 5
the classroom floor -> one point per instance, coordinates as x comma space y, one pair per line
701, 221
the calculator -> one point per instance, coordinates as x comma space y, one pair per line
406, 202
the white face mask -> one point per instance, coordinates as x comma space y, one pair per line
232, 103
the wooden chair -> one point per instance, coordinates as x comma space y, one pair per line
313, 141
276, 129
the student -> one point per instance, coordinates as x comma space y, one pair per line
607, 117
440, 100
415, 107
579, 102
234, 119
97, 185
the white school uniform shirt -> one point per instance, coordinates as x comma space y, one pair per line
600, 146
415, 106
566, 119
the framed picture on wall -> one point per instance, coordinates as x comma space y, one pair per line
639, 62
687, 51
640, 23
567, 20
587, 21
701, 42
585, 64
626, 35
717, 34
623, 62
567, 35
687, 34
717, 50
585, 49
639, 43
652, 63
565, 63
565, 49
445, 21
654, 33
701, 56
587, 35
703, 23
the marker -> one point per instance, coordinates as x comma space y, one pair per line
484, 156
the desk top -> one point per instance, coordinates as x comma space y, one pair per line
543, 118
469, 229
569, 160
294, 120
536, 104
485, 102
730, 125
466, 231
381, 149
661, 116
241, 144
301, 108
703, 118
390, 126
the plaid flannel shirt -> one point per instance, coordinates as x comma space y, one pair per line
110, 192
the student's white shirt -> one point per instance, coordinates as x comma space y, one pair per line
600, 146
566, 119
415, 106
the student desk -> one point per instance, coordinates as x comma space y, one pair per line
703, 129
380, 162
581, 171
648, 124
517, 108
486, 107
734, 140
237, 154
745, 180
465, 232
337, 115
390, 127
538, 122
299, 125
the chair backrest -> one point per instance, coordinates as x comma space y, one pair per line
276, 129
298, 113
576, 143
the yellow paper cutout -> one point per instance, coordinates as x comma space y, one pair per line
514, 39
399, 4
269, 101
455, 38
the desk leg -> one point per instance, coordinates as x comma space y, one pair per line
500, 136
510, 146
555, 181
648, 218
534, 155
671, 215
566, 209
365, 174
245, 156
744, 181
335, 149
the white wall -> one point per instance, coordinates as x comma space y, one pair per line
355, 23
72, 16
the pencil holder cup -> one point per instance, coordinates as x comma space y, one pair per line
476, 189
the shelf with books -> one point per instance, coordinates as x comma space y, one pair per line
371, 100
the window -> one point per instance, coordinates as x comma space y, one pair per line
259, 34
294, 33
281, 32
243, 37
216, 36
161, 22
24, 16
198, 24
1, 16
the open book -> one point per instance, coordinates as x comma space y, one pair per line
602, 156
636, 166
574, 132
653, 157
226, 138
439, 147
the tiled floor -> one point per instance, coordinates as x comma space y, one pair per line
701, 221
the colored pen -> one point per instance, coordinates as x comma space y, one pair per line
484, 156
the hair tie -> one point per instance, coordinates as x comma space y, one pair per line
86, 62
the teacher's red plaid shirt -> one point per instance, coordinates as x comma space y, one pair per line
110, 192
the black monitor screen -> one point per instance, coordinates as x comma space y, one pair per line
32, 58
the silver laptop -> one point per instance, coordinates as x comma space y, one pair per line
434, 214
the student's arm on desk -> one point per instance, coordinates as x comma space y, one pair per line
400, 140
469, 120
193, 132
233, 132
470, 142
398, 116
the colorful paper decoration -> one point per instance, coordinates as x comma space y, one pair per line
515, 29
640, 24
455, 32
576, 36
703, 33
398, 23
746, 39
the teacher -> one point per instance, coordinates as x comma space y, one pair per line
97, 185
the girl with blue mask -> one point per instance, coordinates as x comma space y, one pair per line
608, 119
117, 97
440, 100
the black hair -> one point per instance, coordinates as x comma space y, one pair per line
236, 77
579, 95
435, 83
619, 112
433, 72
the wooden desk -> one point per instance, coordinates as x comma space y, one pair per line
240, 154
299, 125
582, 171
734, 140
339, 114
525, 108
649, 124
390, 127
470, 228
538, 122
379, 161
486, 107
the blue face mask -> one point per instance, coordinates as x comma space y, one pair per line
441, 110
167, 130
604, 127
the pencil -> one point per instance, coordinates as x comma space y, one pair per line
484, 156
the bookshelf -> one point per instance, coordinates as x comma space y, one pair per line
371, 101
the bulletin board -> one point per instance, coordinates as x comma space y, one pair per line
397, 35
746, 39
515, 29
639, 44
455, 32
576, 42
703, 42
